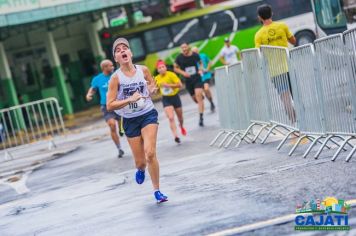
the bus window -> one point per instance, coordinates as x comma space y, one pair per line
329, 14
219, 23
137, 48
187, 31
288, 8
247, 15
157, 39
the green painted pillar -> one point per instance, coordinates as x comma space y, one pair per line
8, 83
5, 75
58, 74
95, 43
129, 14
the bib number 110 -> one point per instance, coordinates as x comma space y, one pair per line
133, 105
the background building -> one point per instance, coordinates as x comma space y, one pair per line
50, 49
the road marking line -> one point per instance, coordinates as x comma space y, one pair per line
266, 223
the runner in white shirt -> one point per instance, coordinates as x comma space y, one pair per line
228, 54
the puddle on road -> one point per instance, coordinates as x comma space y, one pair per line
20, 210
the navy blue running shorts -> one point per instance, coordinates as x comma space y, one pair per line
133, 126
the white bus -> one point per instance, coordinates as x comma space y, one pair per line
206, 28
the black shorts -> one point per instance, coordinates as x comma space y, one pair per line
172, 101
282, 83
109, 114
193, 83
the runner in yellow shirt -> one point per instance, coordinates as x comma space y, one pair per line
169, 85
277, 34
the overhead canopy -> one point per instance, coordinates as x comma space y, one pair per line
15, 12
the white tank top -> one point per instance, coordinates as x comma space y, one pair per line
128, 86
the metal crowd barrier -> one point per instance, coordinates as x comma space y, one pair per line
258, 101
237, 98
232, 106
29, 123
309, 91
350, 47
337, 86
279, 90
307, 95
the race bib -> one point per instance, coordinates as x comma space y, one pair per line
135, 106
191, 70
166, 91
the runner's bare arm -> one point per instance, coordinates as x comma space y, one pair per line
209, 66
111, 102
178, 70
222, 59
175, 85
292, 40
151, 83
90, 94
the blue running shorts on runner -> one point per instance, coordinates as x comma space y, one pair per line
133, 126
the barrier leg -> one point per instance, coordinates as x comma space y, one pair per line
337, 144
296, 145
268, 134
348, 158
224, 139
258, 133
8, 156
248, 130
238, 143
51, 145
340, 148
311, 146
232, 139
217, 137
316, 156
285, 139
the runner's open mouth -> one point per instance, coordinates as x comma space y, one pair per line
124, 56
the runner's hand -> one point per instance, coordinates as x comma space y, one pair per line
166, 85
186, 75
89, 97
152, 89
135, 97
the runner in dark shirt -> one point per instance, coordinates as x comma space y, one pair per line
187, 64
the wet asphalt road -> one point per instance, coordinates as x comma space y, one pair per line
91, 192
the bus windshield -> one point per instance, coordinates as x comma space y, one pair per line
329, 14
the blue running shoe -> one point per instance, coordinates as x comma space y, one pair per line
160, 197
140, 176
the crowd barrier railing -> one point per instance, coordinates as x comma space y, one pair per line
232, 104
279, 90
308, 92
29, 123
338, 91
350, 50
258, 101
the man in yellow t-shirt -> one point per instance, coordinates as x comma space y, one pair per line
169, 85
276, 34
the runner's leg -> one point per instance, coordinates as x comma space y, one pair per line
207, 91
112, 125
169, 110
179, 112
209, 95
149, 136
136, 145
199, 96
